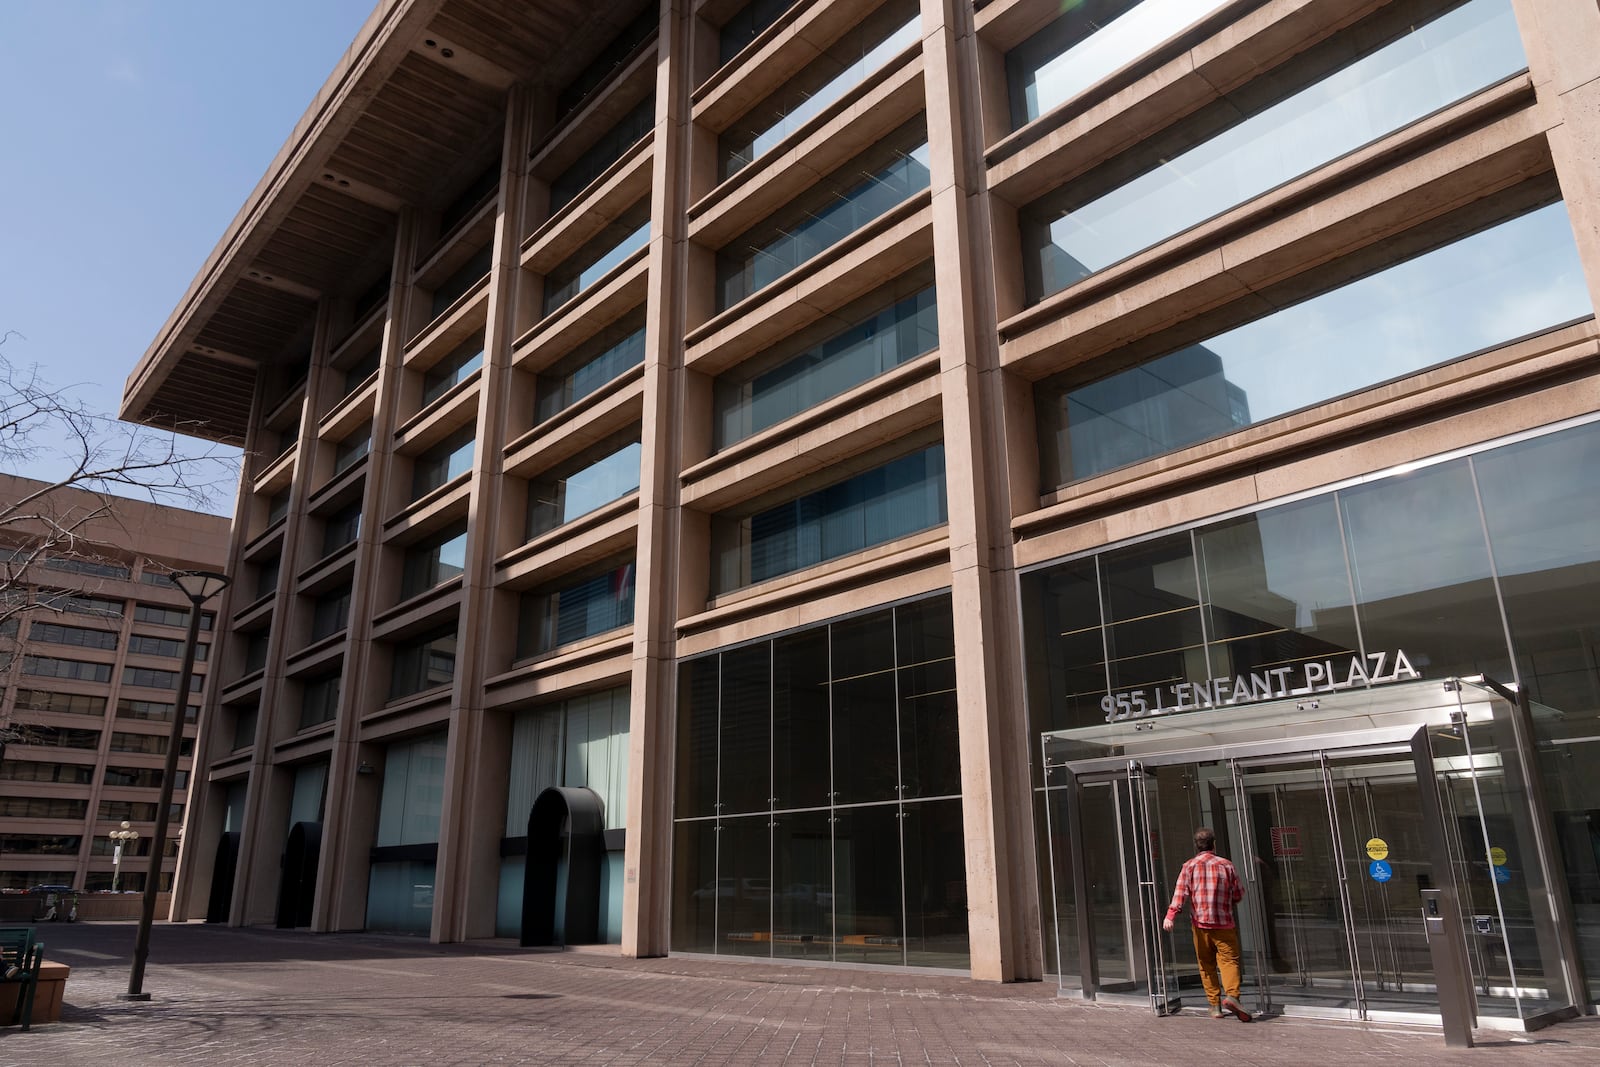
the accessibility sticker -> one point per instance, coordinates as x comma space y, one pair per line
1380, 871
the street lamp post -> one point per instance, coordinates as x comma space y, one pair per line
122, 836
199, 587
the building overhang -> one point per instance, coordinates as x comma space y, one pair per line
415, 104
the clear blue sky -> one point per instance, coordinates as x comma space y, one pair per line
131, 132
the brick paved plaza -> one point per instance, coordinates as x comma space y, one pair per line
245, 996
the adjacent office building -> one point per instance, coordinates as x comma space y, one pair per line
858, 482
91, 647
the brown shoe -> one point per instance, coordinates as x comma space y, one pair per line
1229, 1004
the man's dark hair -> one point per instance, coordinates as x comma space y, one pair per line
1205, 839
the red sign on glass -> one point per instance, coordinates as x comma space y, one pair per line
1286, 842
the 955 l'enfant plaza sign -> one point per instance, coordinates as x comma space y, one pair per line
1301, 679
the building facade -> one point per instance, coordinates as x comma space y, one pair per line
89, 670
859, 481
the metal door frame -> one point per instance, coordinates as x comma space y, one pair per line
1457, 1012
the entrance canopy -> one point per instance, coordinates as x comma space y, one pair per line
1384, 713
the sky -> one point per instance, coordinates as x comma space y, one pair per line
131, 132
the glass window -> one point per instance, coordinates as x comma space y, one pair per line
615, 350
889, 173
746, 24
881, 332
616, 53
745, 732
462, 280
134, 777
352, 449
277, 507
423, 663
434, 561
699, 710
43, 808
362, 369
452, 369
1420, 564
1092, 39
160, 616
582, 485
580, 609
1275, 589
267, 572
44, 845
92, 568
245, 721
621, 238
800, 761
60, 703
1515, 278
878, 505
154, 679
607, 149
582, 743
866, 764
78, 670
341, 528
479, 189
168, 647
330, 613
801, 756
447, 460
36, 771
61, 737
255, 650
86, 605
413, 791
319, 701
152, 744
77, 636
151, 710
843, 65
1322, 105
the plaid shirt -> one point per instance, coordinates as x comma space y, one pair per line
1211, 884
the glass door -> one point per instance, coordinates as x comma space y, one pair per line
1333, 853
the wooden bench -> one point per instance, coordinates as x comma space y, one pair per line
20, 959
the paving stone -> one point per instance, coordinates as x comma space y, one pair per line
225, 997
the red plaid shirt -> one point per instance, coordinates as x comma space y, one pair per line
1212, 886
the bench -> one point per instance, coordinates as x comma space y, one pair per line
20, 960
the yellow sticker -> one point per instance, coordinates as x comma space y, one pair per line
1378, 848
1497, 856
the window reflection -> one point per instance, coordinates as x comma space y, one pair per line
889, 173
1092, 39
841, 67
1333, 106
1515, 278
808, 834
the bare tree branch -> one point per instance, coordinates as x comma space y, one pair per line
72, 520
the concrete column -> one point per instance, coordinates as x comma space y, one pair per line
203, 821
996, 803
1559, 37
255, 887
350, 807
467, 879
647, 861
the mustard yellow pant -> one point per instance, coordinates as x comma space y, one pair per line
1218, 953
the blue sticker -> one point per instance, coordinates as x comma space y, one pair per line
1502, 874
1380, 871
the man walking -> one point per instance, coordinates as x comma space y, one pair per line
1211, 886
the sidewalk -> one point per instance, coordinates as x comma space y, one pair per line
264, 996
